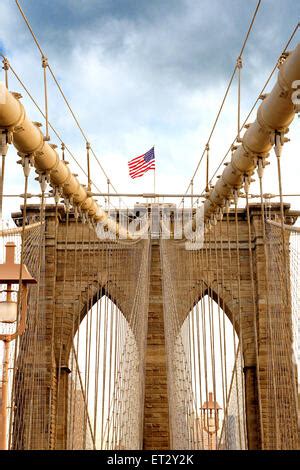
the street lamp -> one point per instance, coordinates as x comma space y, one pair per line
9, 276
210, 411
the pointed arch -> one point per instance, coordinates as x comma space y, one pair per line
103, 369
213, 371
221, 295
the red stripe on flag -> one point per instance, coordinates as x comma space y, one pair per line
137, 174
137, 163
136, 158
141, 167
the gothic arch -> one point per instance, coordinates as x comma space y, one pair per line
87, 305
221, 297
226, 298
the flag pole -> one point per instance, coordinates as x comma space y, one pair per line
154, 175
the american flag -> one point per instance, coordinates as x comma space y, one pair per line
139, 165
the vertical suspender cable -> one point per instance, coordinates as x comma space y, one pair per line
45, 65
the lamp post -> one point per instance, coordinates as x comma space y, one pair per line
9, 276
210, 411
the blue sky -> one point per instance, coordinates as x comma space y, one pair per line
140, 73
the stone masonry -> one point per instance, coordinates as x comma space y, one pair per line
156, 412
52, 431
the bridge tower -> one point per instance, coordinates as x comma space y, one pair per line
51, 428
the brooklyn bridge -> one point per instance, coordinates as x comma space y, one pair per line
149, 320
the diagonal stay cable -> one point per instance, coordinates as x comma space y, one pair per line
67, 148
50, 125
256, 101
226, 93
62, 93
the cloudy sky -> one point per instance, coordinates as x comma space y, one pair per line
140, 73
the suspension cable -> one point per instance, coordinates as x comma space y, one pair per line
50, 125
255, 103
227, 91
61, 91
